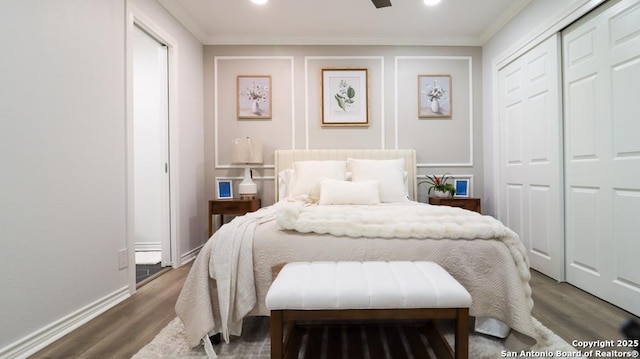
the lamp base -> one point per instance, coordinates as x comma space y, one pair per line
247, 189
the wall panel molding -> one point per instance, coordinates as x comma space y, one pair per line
309, 59
216, 115
469, 87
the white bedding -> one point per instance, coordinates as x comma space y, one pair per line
486, 257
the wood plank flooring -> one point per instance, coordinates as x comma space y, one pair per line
572, 313
124, 329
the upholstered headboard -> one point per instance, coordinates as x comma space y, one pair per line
284, 159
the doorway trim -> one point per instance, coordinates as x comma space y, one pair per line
135, 17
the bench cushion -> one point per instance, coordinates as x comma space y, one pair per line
365, 285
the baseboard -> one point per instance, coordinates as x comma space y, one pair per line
148, 246
40, 339
189, 256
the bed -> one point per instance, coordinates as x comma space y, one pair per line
337, 205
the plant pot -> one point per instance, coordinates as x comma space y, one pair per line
440, 194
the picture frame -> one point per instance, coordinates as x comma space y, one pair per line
462, 188
254, 97
224, 189
435, 96
345, 97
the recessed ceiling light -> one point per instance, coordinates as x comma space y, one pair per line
259, 2
431, 2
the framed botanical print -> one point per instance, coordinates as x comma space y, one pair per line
254, 97
434, 96
345, 97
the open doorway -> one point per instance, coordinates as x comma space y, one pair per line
152, 213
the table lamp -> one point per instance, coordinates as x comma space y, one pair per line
247, 151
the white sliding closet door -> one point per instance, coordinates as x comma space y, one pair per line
531, 197
602, 153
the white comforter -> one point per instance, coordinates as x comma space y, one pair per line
390, 232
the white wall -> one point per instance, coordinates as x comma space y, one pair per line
63, 197
62, 149
539, 20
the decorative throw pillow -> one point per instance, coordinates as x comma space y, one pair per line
346, 192
308, 174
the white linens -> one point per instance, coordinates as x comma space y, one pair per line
494, 270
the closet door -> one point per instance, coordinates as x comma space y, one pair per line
601, 65
531, 197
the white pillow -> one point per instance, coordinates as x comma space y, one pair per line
389, 173
307, 177
346, 192
285, 178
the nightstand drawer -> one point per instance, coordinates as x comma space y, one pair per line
234, 206
472, 204
231, 207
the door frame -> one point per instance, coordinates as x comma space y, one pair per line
136, 18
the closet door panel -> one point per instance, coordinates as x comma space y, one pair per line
539, 128
540, 202
625, 108
514, 134
627, 229
582, 223
514, 212
581, 124
531, 155
602, 153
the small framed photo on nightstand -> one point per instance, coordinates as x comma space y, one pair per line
462, 187
225, 189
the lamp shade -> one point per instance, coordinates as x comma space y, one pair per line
247, 150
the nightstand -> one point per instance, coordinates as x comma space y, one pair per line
229, 207
472, 204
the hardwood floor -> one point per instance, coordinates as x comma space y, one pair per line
124, 329
572, 313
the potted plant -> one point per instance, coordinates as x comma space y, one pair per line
439, 186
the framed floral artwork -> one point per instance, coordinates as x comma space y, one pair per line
254, 97
345, 97
434, 96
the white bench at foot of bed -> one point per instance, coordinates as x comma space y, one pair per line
368, 291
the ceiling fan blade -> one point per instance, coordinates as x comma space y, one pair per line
381, 3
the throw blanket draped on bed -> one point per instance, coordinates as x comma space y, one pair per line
228, 258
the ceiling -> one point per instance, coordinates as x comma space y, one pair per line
343, 22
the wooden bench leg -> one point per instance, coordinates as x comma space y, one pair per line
462, 334
276, 334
